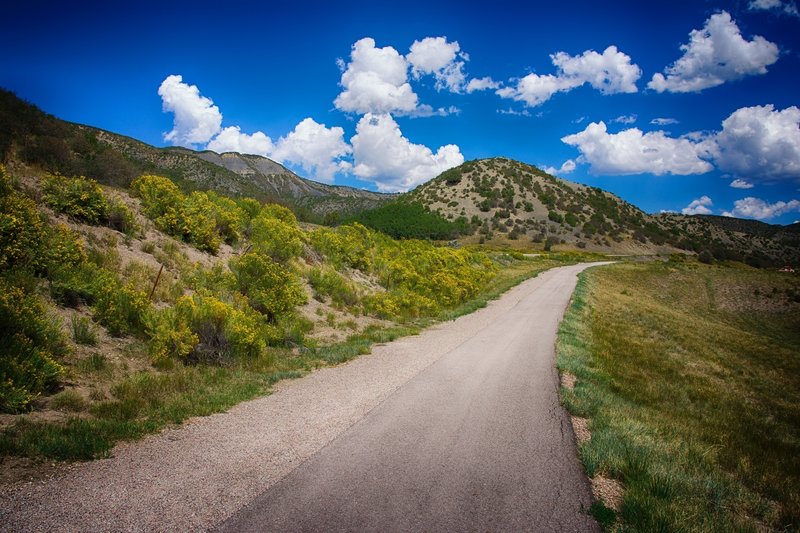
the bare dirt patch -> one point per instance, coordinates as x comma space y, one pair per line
581, 428
568, 380
607, 490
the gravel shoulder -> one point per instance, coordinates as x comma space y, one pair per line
195, 476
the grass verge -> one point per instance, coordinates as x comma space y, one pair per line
691, 383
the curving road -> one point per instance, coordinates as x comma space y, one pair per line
475, 442
456, 429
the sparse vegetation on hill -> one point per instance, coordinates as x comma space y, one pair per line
690, 380
508, 202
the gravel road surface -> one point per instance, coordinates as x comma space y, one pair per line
458, 428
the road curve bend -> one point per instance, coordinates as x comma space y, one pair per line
477, 441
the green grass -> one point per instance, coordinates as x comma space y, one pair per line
83, 331
692, 386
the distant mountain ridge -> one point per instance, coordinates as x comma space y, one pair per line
38, 138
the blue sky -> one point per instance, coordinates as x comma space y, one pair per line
666, 104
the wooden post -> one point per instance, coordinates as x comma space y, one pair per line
158, 277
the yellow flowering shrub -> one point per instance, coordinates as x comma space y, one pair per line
31, 341
275, 237
198, 226
271, 288
78, 197
201, 328
22, 234
120, 308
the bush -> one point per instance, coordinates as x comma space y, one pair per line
82, 331
22, 232
276, 237
31, 341
120, 308
328, 282
121, 218
78, 197
203, 329
270, 288
705, 257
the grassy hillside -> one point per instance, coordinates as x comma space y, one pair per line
124, 310
689, 376
29, 135
508, 202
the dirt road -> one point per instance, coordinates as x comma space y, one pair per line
458, 428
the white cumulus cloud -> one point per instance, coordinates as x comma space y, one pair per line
566, 167
375, 81
700, 206
231, 139
741, 184
633, 152
385, 157
434, 55
196, 119
610, 72
759, 209
482, 84
760, 142
317, 149
714, 55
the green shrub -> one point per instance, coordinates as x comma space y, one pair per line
270, 288
78, 197
121, 218
82, 331
328, 282
69, 400
31, 341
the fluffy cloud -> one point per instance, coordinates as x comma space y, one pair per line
568, 166
700, 206
434, 55
610, 72
714, 55
741, 184
482, 84
231, 139
196, 120
375, 81
760, 142
759, 209
317, 149
786, 8
664, 121
385, 157
633, 152
625, 119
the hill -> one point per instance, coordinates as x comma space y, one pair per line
508, 202
34, 137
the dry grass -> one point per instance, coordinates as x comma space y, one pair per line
693, 388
